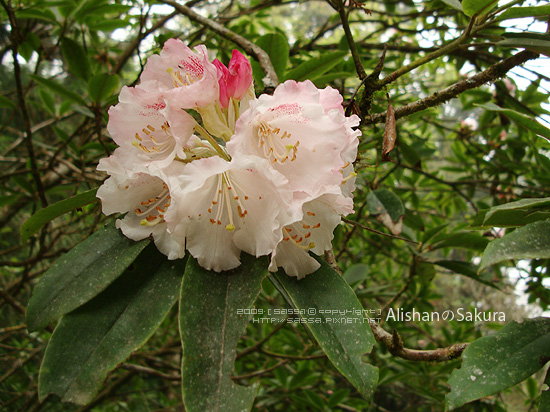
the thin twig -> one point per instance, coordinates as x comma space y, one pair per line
271, 79
488, 75
16, 39
394, 343
354, 223
349, 37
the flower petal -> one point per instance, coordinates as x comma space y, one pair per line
187, 78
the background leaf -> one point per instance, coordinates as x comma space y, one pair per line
76, 58
494, 363
472, 7
276, 46
316, 67
43, 216
103, 86
529, 242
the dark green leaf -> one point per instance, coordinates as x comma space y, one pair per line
529, 242
472, 7
455, 4
37, 14
519, 12
108, 25
81, 274
464, 240
383, 201
58, 88
545, 395
520, 118
530, 41
464, 268
211, 325
356, 273
91, 341
103, 86
6, 103
316, 67
514, 214
494, 363
43, 216
276, 46
344, 338
76, 58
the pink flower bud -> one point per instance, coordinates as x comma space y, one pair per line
234, 80
223, 76
241, 75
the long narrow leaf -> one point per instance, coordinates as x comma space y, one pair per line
344, 335
210, 327
81, 274
91, 341
43, 216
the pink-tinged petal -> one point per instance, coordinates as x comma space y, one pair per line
185, 77
295, 262
240, 77
331, 99
223, 75
145, 124
305, 141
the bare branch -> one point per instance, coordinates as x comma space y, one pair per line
494, 72
271, 79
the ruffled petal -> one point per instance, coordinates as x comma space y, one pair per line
185, 77
145, 124
305, 141
225, 207
295, 262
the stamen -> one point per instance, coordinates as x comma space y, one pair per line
156, 208
176, 77
351, 175
269, 146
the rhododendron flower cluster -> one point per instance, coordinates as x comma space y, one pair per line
205, 166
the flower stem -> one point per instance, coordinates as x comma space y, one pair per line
202, 131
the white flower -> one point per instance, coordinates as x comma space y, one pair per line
145, 196
314, 232
225, 207
302, 132
148, 126
186, 78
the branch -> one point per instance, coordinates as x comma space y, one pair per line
271, 79
121, 61
492, 73
394, 343
351, 43
16, 39
357, 224
150, 371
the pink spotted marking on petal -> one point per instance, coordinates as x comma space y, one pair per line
193, 66
287, 109
156, 106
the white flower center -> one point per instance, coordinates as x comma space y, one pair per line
299, 235
148, 143
350, 176
271, 141
228, 196
192, 69
153, 210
